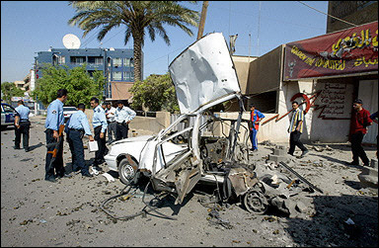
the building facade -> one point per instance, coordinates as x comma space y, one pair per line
353, 12
117, 65
322, 74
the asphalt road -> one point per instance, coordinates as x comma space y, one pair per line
35, 212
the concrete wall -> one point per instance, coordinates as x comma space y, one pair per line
242, 64
264, 74
144, 125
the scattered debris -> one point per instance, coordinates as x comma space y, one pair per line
108, 177
369, 175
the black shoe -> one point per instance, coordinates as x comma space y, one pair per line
353, 163
87, 175
17, 147
64, 175
53, 180
98, 168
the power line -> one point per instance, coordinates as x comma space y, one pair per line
165, 55
267, 18
88, 39
113, 36
352, 24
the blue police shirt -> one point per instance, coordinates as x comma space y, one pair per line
23, 112
79, 121
55, 116
99, 118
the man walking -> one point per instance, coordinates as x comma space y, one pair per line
374, 118
123, 116
22, 125
77, 126
359, 123
255, 118
99, 123
110, 114
295, 129
53, 124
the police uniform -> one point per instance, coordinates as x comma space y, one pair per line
54, 119
99, 123
111, 124
23, 113
122, 116
77, 126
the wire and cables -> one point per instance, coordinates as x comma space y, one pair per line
352, 24
144, 210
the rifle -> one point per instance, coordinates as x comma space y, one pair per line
56, 145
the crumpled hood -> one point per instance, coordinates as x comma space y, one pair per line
203, 73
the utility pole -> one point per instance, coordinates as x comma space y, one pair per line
249, 46
202, 19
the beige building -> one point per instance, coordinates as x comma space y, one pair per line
326, 88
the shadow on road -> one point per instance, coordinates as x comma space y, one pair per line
328, 226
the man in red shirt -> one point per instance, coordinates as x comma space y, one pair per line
360, 121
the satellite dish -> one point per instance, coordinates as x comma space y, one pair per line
71, 41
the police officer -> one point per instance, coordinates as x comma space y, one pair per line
77, 126
99, 123
123, 116
22, 124
54, 120
110, 114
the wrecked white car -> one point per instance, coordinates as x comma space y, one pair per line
187, 152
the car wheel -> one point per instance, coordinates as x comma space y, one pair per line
255, 202
127, 169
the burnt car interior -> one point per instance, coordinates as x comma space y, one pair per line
189, 155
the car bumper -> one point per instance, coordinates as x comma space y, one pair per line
111, 162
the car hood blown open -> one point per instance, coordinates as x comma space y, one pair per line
203, 73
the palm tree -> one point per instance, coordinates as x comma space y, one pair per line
137, 16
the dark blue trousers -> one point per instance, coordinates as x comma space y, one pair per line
56, 169
75, 141
24, 130
253, 139
103, 150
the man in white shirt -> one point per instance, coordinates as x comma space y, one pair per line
110, 114
123, 116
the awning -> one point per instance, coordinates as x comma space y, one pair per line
350, 51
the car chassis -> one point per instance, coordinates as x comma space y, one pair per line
176, 161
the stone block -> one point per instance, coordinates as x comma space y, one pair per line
369, 175
374, 163
280, 152
281, 147
276, 158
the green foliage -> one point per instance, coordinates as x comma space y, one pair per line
10, 90
80, 86
155, 93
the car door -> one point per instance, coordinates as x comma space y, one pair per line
7, 114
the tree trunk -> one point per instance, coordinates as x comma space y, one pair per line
137, 58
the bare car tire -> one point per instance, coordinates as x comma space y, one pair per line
126, 170
255, 202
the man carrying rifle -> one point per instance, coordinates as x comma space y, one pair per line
54, 138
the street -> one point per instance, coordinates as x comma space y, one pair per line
35, 212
